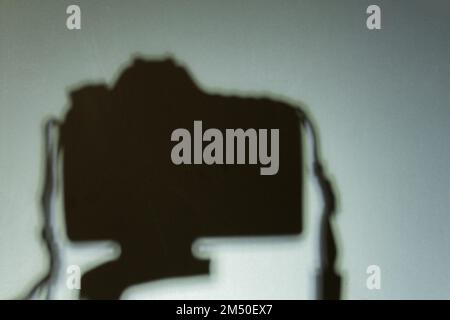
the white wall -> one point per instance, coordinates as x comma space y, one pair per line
381, 99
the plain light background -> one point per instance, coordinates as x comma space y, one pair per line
380, 99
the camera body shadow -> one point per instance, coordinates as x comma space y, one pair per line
121, 184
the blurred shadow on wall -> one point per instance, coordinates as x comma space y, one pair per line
120, 182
